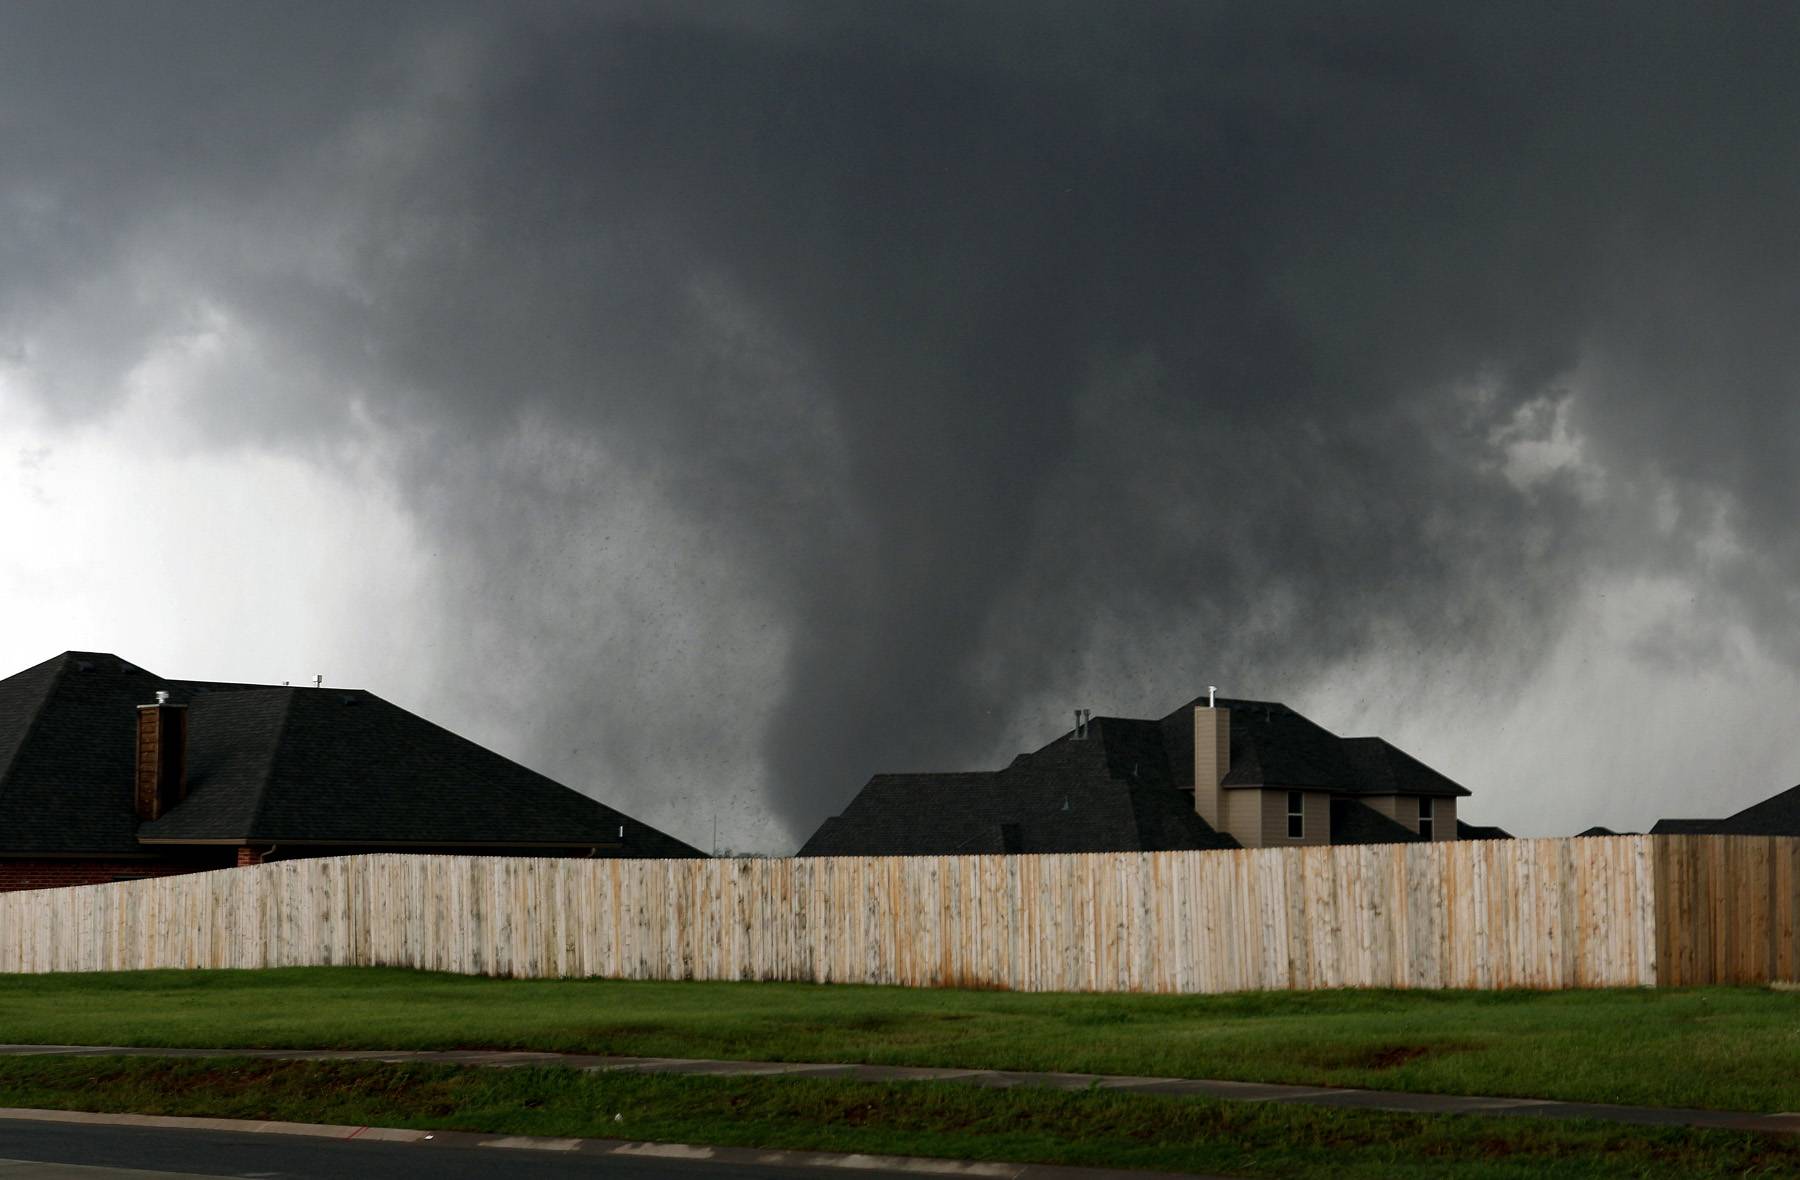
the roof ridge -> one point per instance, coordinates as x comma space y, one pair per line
923, 773
268, 771
509, 791
37, 712
1764, 801
1227, 702
1397, 758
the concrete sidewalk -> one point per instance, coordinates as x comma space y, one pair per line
1391, 1100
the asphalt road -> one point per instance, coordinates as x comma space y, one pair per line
32, 1151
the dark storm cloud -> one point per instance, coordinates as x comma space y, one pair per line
1197, 331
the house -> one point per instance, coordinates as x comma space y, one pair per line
1778, 815
110, 772
1268, 777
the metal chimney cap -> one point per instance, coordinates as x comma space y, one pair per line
1212, 693
162, 697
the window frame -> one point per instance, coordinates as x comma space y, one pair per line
1427, 817
1296, 815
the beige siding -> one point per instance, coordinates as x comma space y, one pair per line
1444, 820
1244, 816
1212, 758
1404, 809
1318, 817
1274, 820
1315, 805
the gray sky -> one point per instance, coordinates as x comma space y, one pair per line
713, 405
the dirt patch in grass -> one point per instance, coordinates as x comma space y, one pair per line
874, 1022
1394, 1056
1378, 1057
859, 1116
603, 1035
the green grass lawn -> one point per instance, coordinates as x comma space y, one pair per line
1724, 1048
1039, 1126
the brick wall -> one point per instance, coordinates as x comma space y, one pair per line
56, 873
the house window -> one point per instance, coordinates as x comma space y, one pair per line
1296, 816
1425, 817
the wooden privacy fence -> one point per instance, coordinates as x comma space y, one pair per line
1629, 910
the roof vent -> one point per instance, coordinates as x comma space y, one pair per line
1212, 696
162, 697
1082, 717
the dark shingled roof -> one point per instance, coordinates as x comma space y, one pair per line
1126, 786
1686, 827
1778, 815
1597, 830
1478, 832
271, 764
1271, 745
1384, 769
1074, 795
67, 728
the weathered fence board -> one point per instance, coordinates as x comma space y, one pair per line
1595, 912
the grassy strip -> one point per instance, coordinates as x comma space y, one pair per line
1738, 1048
1096, 1128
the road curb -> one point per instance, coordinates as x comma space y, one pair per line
694, 1153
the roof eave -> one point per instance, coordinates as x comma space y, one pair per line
65, 854
245, 841
1453, 791
1345, 792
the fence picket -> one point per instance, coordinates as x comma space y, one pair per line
1606, 911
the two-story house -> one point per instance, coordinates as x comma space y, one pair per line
1212, 774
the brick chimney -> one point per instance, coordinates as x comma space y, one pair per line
1212, 759
161, 757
